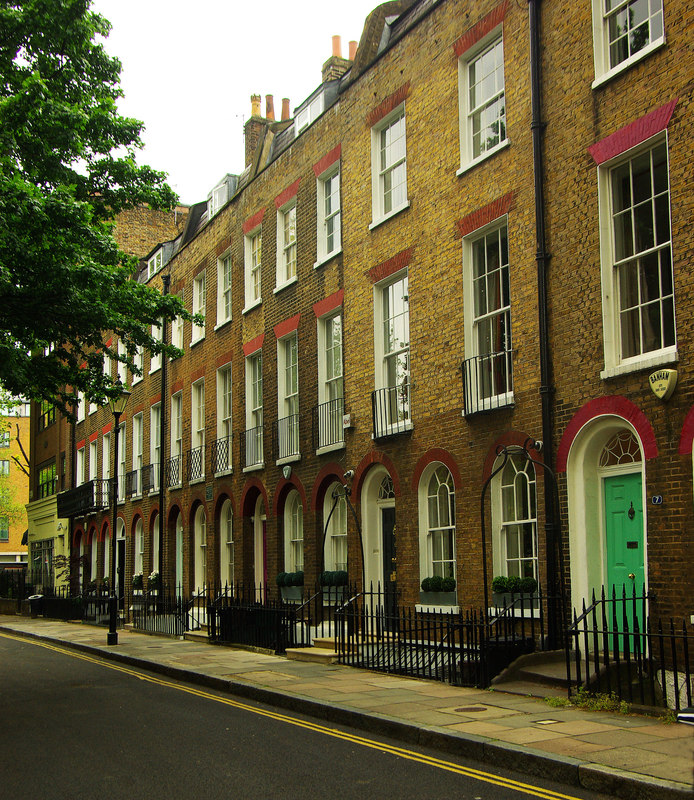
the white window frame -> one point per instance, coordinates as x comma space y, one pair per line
121, 366
138, 440
224, 289
286, 245
604, 71
139, 547
177, 327
199, 303
254, 405
328, 214
384, 208
224, 414
436, 483
121, 461
474, 55
93, 456
80, 467
155, 360
138, 361
155, 263
503, 524
217, 198
197, 419
93, 407
253, 262
177, 432
200, 558
615, 364
288, 397
226, 544
336, 547
293, 533
106, 457
80, 406
307, 116
155, 444
473, 320
383, 356
331, 386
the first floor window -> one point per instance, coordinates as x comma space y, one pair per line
224, 289
294, 533
199, 301
286, 244
139, 547
440, 521
336, 531
329, 229
484, 102
628, 27
226, 544
253, 264
518, 503
390, 165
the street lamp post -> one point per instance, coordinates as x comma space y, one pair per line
117, 405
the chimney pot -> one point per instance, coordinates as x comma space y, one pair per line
337, 46
269, 107
255, 105
352, 50
285, 108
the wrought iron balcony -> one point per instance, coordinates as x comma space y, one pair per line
174, 471
390, 410
132, 483
488, 382
221, 454
327, 423
285, 437
150, 478
85, 499
252, 442
195, 463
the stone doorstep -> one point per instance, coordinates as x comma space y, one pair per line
318, 655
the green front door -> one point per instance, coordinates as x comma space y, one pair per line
624, 542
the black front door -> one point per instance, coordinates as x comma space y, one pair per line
389, 561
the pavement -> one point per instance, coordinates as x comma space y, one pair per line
631, 756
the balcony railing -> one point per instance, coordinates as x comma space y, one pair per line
327, 423
285, 437
132, 483
221, 454
195, 463
174, 470
252, 441
488, 382
150, 478
391, 412
84, 499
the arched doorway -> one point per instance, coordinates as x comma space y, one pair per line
378, 513
260, 546
200, 555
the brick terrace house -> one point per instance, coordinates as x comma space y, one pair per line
473, 233
13, 480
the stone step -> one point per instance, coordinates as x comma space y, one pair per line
324, 642
317, 655
199, 635
530, 689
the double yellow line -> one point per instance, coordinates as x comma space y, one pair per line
410, 755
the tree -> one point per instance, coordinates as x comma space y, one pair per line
67, 167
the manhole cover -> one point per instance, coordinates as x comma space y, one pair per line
471, 709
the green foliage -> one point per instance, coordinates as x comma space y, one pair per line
279, 580
333, 578
67, 166
438, 584
590, 701
500, 584
448, 585
513, 583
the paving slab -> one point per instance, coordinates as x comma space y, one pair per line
626, 756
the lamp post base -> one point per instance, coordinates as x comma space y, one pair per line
111, 638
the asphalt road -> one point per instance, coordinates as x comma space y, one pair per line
73, 726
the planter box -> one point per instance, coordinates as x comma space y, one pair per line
438, 598
292, 594
524, 599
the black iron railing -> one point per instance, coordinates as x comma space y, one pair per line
488, 382
150, 478
252, 447
84, 499
174, 471
285, 437
132, 483
391, 411
615, 647
195, 463
221, 454
327, 425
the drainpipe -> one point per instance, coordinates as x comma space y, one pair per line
166, 282
542, 258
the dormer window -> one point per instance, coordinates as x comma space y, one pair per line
154, 264
309, 114
217, 198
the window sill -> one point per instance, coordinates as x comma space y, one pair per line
389, 215
606, 77
433, 608
195, 481
328, 257
288, 460
197, 341
137, 380
222, 324
481, 159
284, 285
394, 430
496, 403
156, 369
252, 305
646, 362
254, 467
223, 472
175, 486
330, 448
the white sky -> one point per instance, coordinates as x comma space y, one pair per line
190, 68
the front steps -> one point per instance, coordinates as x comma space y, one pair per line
322, 652
541, 674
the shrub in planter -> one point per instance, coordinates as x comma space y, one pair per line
137, 580
341, 577
326, 578
330, 578
297, 578
280, 579
153, 580
528, 585
448, 585
500, 584
438, 584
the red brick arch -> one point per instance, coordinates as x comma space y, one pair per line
370, 460
329, 474
687, 435
436, 454
513, 437
284, 486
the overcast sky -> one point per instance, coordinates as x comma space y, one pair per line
190, 68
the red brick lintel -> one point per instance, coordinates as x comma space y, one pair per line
254, 345
327, 161
483, 216
392, 265
287, 194
323, 307
480, 30
289, 325
225, 358
253, 222
93, 436
383, 109
633, 134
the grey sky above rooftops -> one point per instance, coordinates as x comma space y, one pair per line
189, 71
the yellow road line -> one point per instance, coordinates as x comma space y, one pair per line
486, 777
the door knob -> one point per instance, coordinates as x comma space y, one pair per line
632, 576
631, 512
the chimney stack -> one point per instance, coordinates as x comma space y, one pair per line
336, 66
255, 105
269, 108
353, 50
252, 129
285, 109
